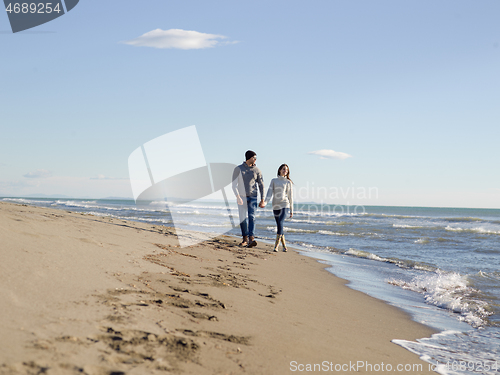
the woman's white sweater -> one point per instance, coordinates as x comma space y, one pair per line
281, 190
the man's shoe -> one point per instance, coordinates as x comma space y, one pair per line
252, 242
244, 242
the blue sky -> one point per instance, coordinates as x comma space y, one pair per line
410, 90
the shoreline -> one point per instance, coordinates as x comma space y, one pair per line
93, 295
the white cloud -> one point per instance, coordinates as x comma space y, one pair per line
39, 173
177, 38
330, 154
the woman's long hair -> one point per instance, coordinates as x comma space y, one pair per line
287, 172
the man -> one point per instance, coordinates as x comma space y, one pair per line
247, 179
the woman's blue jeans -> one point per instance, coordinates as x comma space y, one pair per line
280, 215
249, 207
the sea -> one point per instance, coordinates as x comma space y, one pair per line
440, 265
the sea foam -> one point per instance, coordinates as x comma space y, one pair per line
451, 291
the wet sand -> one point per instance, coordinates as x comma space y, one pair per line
90, 295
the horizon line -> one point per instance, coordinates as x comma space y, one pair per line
62, 196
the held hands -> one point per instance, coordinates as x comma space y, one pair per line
262, 204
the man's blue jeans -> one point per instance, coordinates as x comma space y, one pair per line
249, 207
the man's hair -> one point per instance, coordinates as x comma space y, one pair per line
249, 154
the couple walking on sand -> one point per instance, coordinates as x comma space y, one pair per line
247, 183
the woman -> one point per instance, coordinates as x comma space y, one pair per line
281, 190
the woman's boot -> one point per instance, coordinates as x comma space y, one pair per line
277, 243
283, 242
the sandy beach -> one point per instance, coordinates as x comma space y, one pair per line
83, 294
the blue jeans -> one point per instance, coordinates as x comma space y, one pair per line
280, 215
249, 208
